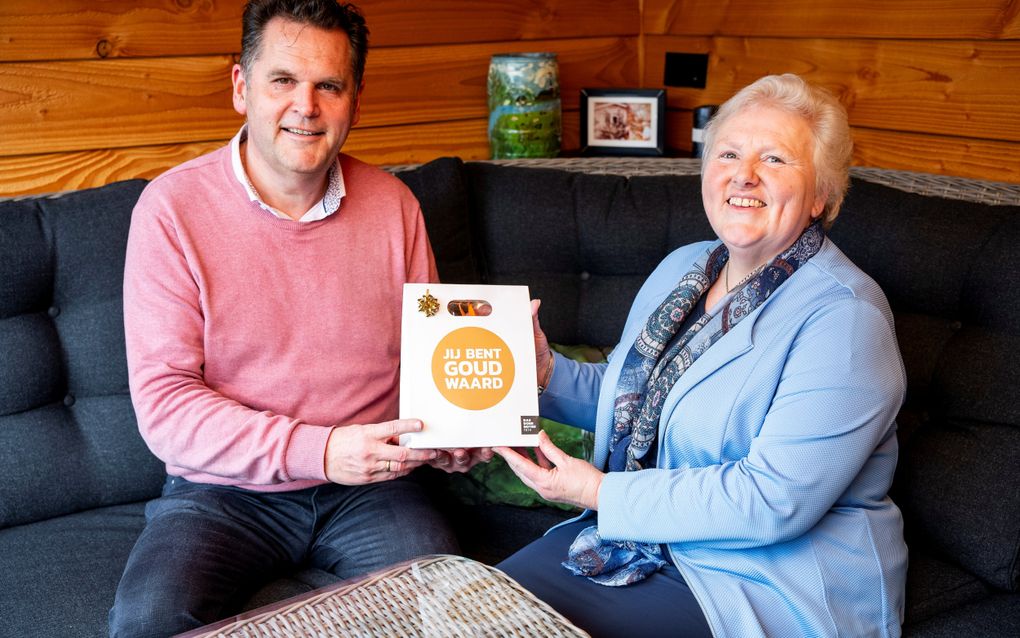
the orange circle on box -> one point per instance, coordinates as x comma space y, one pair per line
473, 368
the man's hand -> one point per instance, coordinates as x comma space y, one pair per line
557, 476
461, 459
360, 454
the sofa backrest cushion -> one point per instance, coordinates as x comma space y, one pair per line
949, 268
68, 435
440, 189
582, 243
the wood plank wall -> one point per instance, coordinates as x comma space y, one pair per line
930, 85
92, 91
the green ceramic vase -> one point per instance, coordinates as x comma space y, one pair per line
524, 105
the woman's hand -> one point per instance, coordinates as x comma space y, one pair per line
557, 476
543, 355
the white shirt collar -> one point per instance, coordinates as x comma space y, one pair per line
329, 204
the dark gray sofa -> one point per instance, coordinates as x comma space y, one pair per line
75, 474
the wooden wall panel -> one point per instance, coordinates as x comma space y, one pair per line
403, 22
91, 104
964, 157
92, 91
72, 106
80, 29
961, 156
929, 85
678, 128
97, 90
54, 172
387, 145
414, 143
946, 87
900, 19
414, 84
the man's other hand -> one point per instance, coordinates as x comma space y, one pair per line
461, 459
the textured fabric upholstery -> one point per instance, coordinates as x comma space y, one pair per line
997, 615
934, 586
946, 267
68, 439
60, 574
583, 243
440, 189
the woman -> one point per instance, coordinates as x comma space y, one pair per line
745, 434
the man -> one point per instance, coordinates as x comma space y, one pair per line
262, 312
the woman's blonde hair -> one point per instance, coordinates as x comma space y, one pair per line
825, 116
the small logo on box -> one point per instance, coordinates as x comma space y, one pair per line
529, 425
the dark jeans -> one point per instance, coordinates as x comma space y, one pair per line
206, 549
660, 605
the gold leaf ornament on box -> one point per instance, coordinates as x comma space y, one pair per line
428, 304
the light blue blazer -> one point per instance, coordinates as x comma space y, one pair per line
776, 452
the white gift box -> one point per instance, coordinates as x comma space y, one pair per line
468, 370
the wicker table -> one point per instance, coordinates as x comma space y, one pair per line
433, 596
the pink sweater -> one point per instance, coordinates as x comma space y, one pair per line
249, 336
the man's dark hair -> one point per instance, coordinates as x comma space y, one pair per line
324, 14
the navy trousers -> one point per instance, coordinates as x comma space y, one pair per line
660, 605
206, 549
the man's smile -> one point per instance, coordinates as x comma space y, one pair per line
301, 131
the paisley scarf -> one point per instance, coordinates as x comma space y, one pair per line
651, 368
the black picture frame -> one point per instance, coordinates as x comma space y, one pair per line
610, 119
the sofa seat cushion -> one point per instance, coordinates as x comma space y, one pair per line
935, 586
996, 616
962, 480
60, 575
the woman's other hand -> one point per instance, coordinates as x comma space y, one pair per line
543, 355
557, 476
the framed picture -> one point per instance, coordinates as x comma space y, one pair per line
623, 121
